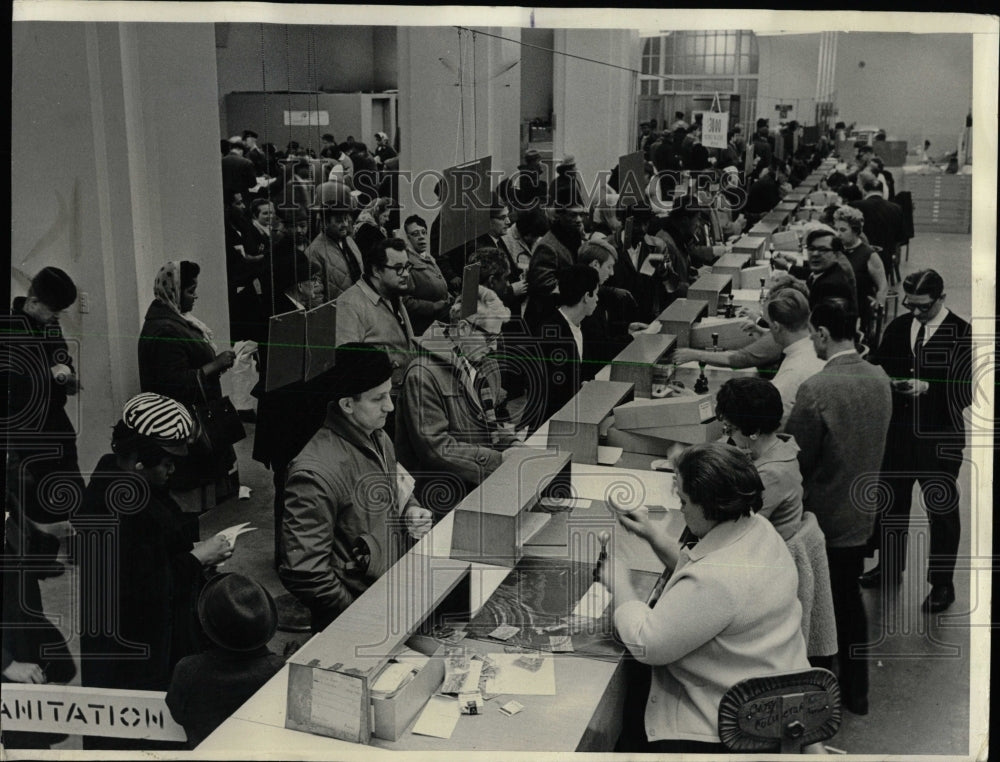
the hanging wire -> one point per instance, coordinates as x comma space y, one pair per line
263, 85
475, 102
461, 91
552, 50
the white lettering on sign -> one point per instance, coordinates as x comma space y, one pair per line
88, 711
306, 118
713, 129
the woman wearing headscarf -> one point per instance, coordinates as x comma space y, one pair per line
137, 625
370, 228
729, 610
178, 359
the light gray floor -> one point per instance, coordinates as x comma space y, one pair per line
919, 678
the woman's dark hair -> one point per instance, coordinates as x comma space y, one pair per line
721, 479
189, 271
574, 282
126, 441
753, 405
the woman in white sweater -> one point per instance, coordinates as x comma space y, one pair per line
729, 610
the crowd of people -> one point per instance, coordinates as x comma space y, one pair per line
428, 384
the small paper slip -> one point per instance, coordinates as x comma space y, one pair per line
463, 681
404, 486
245, 492
504, 632
512, 708
561, 643
517, 681
438, 718
593, 604
235, 531
392, 677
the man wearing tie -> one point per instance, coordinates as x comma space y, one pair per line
928, 356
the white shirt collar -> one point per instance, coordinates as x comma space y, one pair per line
798, 347
930, 327
840, 354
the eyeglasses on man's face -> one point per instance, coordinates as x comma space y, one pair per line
400, 269
919, 307
819, 250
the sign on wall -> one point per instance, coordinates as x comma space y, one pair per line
307, 118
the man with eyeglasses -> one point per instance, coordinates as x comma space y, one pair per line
447, 432
824, 273
927, 354
372, 310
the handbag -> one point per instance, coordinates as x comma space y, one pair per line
219, 425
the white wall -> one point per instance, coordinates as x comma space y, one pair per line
789, 64
913, 85
434, 97
137, 185
536, 74
595, 105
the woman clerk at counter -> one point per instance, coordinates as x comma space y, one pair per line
729, 610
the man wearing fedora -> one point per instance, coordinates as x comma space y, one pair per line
347, 509
239, 618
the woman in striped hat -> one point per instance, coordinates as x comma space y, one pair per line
141, 567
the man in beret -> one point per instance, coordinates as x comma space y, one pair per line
347, 509
45, 377
333, 248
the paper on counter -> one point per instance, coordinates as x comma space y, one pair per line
594, 603
515, 680
338, 704
392, 677
438, 718
464, 681
608, 456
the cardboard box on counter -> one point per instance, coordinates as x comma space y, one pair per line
730, 330
656, 413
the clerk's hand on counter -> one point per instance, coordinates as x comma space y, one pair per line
418, 521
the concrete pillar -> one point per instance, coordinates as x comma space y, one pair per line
459, 99
113, 174
595, 105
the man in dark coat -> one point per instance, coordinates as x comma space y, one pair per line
928, 355
555, 251
562, 340
34, 346
824, 273
238, 173
239, 618
884, 224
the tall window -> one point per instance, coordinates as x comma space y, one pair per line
687, 66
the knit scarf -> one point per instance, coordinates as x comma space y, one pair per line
480, 384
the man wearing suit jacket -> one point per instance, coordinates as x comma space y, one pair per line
840, 419
928, 355
883, 219
561, 340
555, 251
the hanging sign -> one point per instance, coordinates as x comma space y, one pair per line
713, 129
